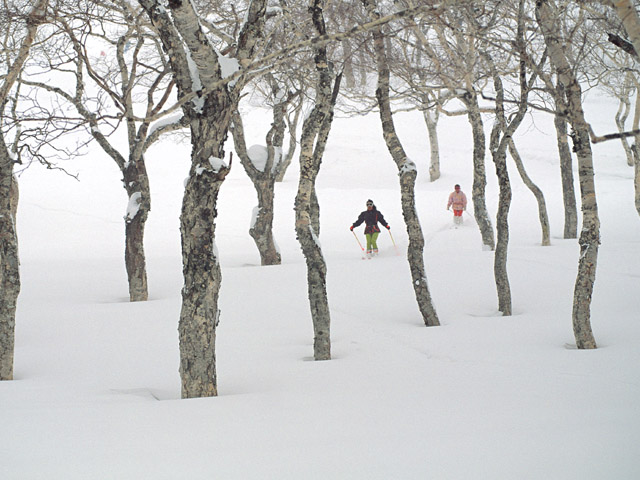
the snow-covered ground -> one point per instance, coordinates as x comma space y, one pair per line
96, 394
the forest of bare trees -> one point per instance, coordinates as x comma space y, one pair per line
124, 74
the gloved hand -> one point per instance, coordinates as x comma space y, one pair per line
351, 228
464, 208
388, 227
447, 207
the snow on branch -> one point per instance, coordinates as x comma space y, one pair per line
167, 121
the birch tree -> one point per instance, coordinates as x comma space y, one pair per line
624, 109
133, 83
264, 165
557, 93
292, 119
553, 90
500, 140
566, 161
18, 39
282, 89
208, 101
407, 172
543, 215
547, 16
498, 147
431, 117
315, 131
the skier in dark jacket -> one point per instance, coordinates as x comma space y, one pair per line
371, 216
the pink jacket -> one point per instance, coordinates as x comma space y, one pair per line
458, 200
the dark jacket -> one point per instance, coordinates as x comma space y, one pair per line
371, 219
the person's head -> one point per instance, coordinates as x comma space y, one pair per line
457, 187
370, 204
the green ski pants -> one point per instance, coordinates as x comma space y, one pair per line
371, 241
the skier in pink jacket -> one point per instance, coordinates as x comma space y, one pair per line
457, 200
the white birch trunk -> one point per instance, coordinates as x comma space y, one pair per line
196, 68
547, 16
478, 194
431, 119
9, 259
136, 182
624, 106
537, 193
292, 125
501, 139
9, 264
566, 164
314, 134
407, 172
261, 229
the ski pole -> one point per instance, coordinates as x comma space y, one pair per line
395, 247
392, 240
357, 240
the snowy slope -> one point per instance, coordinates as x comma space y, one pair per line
97, 390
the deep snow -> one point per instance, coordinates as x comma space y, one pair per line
96, 394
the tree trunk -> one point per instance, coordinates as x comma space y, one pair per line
200, 315
407, 173
9, 259
548, 17
261, 229
314, 211
479, 173
347, 55
316, 271
315, 130
621, 118
501, 139
197, 72
136, 184
566, 166
498, 147
9, 264
292, 125
502, 230
202, 276
542, 206
431, 119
